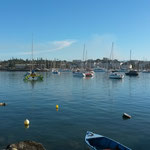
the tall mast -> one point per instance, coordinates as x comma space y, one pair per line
130, 55
130, 65
32, 51
111, 53
112, 49
84, 53
86, 59
83, 56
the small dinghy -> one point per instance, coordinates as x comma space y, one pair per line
99, 142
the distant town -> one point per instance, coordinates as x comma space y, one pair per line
46, 65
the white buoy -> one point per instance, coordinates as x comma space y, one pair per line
26, 122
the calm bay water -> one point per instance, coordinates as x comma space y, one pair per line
95, 104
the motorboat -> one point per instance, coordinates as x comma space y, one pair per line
55, 71
115, 75
100, 142
78, 73
89, 74
132, 73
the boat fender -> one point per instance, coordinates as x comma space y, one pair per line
125, 115
2, 104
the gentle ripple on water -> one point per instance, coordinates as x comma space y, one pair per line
95, 104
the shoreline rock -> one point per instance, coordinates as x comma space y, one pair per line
2, 104
26, 145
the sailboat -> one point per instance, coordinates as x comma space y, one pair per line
88, 72
131, 72
54, 70
32, 75
114, 74
80, 72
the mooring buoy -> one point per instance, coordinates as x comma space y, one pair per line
26, 122
57, 106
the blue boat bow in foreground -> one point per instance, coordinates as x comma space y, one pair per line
99, 142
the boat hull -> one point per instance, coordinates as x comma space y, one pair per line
132, 73
56, 72
89, 75
99, 142
129, 74
116, 76
78, 74
33, 77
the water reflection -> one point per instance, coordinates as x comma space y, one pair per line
31, 82
26, 126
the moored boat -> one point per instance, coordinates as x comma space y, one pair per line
116, 76
132, 73
55, 71
33, 76
99, 142
89, 74
78, 73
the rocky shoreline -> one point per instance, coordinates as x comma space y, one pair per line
25, 145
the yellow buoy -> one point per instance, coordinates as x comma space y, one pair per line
26, 122
57, 106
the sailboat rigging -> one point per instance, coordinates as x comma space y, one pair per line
55, 70
114, 74
32, 75
131, 72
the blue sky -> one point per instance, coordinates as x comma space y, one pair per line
61, 28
